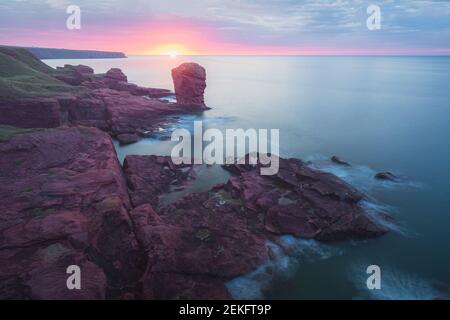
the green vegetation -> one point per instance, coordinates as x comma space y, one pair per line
23, 75
37, 213
7, 132
27, 58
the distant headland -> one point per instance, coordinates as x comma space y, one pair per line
54, 53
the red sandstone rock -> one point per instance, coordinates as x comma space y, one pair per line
150, 176
303, 202
39, 112
63, 201
189, 80
74, 75
105, 101
127, 138
116, 74
140, 91
204, 239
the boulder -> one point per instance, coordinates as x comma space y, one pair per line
337, 160
189, 81
386, 176
127, 138
116, 74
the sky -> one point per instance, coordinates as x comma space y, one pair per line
260, 27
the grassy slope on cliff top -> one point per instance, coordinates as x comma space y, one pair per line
23, 75
7, 132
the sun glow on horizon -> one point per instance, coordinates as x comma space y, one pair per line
173, 54
171, 50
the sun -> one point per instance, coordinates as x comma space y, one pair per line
172, 54
172, 50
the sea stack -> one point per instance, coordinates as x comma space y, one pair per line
189, 81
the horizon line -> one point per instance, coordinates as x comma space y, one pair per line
293, 55
381, 52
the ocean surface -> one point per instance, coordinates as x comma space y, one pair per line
379, 114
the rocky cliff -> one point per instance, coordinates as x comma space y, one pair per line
65, 199
75, 95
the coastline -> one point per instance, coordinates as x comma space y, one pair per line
171, 246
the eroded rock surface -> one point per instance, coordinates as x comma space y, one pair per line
189, 80
64, 201
217, 235
106, 101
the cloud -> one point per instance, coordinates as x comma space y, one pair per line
337, 23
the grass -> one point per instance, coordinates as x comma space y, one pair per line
27, 58
37, 213
23, 75
7, 132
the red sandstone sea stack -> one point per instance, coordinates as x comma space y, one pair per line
189, 81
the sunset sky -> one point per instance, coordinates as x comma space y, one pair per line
230, 26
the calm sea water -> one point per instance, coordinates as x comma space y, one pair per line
379, 113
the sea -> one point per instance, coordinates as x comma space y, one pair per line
379, 113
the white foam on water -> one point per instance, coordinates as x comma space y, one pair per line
395, 285
169, 99
380, 214
253, 284
360, 176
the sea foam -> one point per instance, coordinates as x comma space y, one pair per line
253, 284
396, 285
360, 176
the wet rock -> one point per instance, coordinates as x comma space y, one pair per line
337, 160
386, 176
64, 202
127, 138
150, 176
192, 249
189, 82
202, 240
319, 205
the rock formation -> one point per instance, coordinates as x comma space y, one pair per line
386, 176
198, 242
64, 201
338, 160
75, 95
189, 81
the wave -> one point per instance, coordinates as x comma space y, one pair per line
287, 254
362, 178
359, 176
396, 285
381, 214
